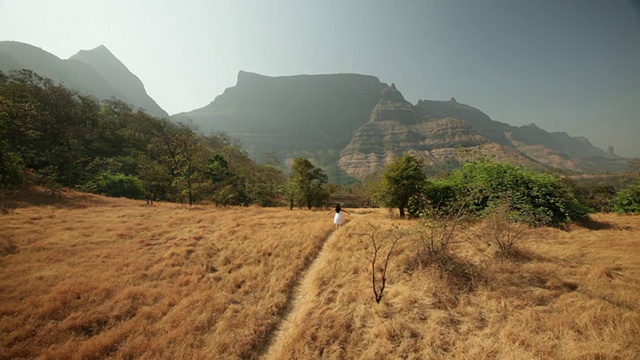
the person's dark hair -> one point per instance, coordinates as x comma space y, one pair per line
337, 208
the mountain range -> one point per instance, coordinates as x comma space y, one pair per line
95, 72
359, 124
349, 123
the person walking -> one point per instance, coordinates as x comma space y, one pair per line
337, 218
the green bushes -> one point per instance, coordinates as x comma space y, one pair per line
533, 197
597, 198
116, 185
627, 200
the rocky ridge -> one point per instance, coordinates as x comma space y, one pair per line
302, 115
359, 124
396, 127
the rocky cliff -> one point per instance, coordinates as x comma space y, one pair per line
396, 127
359, 124
303, 115
557, 150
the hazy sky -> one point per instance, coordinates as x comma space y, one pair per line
566, 65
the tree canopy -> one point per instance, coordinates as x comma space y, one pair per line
50, 134
307, 184
402, 180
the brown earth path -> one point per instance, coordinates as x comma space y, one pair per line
296, 300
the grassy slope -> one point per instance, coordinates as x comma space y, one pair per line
90, 277
125, 280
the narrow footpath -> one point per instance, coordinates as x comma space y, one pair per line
295, 299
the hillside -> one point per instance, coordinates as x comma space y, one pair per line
556, 149
342, 122
291, 115
90, 277
396, 127
359, 124
95, 72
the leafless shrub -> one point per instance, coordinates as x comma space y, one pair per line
435, 236
503, 229
438, 231
388, 239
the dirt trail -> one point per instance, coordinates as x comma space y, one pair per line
295, 299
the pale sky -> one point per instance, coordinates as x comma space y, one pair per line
566, 65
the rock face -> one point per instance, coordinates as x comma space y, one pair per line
444, 133
95, 72
396, 127
557, 150
359, 124
304, 115
393, 106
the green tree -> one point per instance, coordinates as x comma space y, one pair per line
46, 126
10, 159
403, 180
307, 183
155, 177
222, 180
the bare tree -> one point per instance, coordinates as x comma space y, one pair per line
395, 235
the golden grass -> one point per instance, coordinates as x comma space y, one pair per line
130, 281
570, 295
91, 277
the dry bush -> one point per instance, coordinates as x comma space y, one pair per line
501, 229
436, 238
382, 245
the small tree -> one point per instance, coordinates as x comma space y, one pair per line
402, 180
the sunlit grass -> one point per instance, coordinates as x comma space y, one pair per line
125, 280
92, 277
570, 295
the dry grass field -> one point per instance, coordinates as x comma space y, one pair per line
85, 277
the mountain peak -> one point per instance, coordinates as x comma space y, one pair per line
101, 49
391, 93
129, 87
101, 52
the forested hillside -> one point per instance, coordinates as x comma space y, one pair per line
53, 136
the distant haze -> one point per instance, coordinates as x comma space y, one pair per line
568, 65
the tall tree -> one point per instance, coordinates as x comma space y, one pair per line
182, 151
307, 183
402, 179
